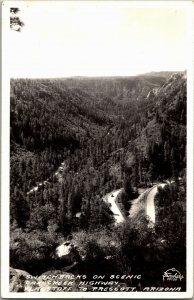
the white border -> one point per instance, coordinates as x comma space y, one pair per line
5, 133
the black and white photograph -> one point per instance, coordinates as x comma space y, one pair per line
96, 160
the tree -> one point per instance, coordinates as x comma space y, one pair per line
20, 210
151, 173
15, 22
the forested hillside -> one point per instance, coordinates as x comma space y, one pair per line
106, 134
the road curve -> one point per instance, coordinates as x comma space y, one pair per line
111, 199
149, 202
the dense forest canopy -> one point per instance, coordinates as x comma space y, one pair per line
73, 141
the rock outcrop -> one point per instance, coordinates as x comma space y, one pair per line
18, 281
50, 281
66, 255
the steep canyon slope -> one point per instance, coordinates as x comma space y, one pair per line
110, 134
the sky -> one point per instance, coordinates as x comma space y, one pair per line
90, 38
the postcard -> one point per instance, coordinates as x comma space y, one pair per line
96, 149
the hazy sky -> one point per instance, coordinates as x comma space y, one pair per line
97, 38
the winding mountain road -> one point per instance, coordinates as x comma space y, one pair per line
57, 174
111, 199
145, 203
149, 202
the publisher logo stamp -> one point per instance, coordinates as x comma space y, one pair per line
172, 275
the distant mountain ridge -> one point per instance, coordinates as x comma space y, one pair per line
164, 74
120, 89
